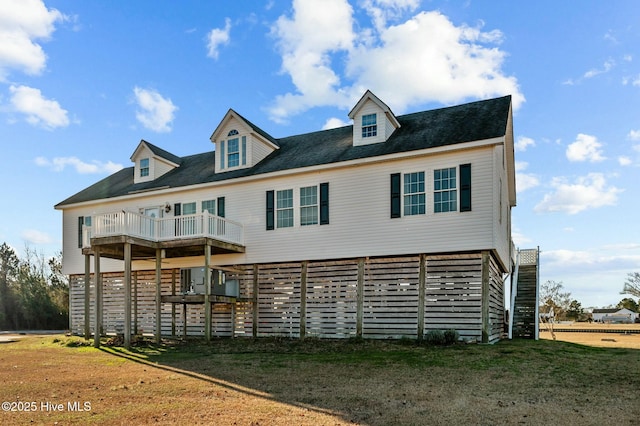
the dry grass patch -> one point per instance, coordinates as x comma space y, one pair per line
281, 381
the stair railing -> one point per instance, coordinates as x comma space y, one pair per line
514, 291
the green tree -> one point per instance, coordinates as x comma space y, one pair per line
8, 276
43, 294
34, 294
575, 310
628, 303
632, 284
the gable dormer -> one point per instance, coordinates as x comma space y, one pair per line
152, 162
373, 121
239, 144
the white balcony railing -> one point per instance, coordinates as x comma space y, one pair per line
163, 229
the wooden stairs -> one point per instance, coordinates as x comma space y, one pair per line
524, 303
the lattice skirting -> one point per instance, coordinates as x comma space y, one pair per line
389, 297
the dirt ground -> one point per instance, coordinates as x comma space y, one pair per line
595, 338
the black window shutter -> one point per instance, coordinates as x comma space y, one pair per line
221, 206
177, 209
324, 203
270, 211
80, 223
395, 195
465, 187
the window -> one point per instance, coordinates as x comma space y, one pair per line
233, 153
144, 167
369, 125
313, 207
284, 208
82, 221
209, 206
309, 205
188, 208
445, 192
414, 194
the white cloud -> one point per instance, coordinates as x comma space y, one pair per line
634, 135
58, 164
523, 143
333, 123
22, 22
624, 161
585, 148
633, 80
218, 37
589, 260
519, 239
587, 192
39, 111
35, 237
606, 67
435, 60
383, 10
525, 181
156, 112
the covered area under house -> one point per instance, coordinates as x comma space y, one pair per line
130, 236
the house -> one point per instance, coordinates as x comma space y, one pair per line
614, 315
386, 228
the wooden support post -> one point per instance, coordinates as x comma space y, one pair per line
360, 297
233, 320
158, 295
98, 305
255, 301
207, 293
127, 295
303, 300
135, 303
184, 321
173, 305
87, 297
486, 285
422, 284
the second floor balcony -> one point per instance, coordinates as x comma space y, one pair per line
163, 232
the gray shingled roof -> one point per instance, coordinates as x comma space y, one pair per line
422, 130
162, 153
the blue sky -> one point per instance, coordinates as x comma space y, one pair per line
82, 82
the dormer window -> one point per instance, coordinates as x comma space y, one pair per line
144, 167
233, 151
369, 125
233, 156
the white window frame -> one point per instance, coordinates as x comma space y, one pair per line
370, 129
437, 193
418, 192
145, 171
286, 209
313, 207
209, 209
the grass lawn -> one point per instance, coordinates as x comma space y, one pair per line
313, 382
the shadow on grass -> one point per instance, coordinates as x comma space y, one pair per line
402, 382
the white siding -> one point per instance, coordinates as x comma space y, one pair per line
360, 223
259, 150
501, 212
159, 167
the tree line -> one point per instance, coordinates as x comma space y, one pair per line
34, 294
554, 299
